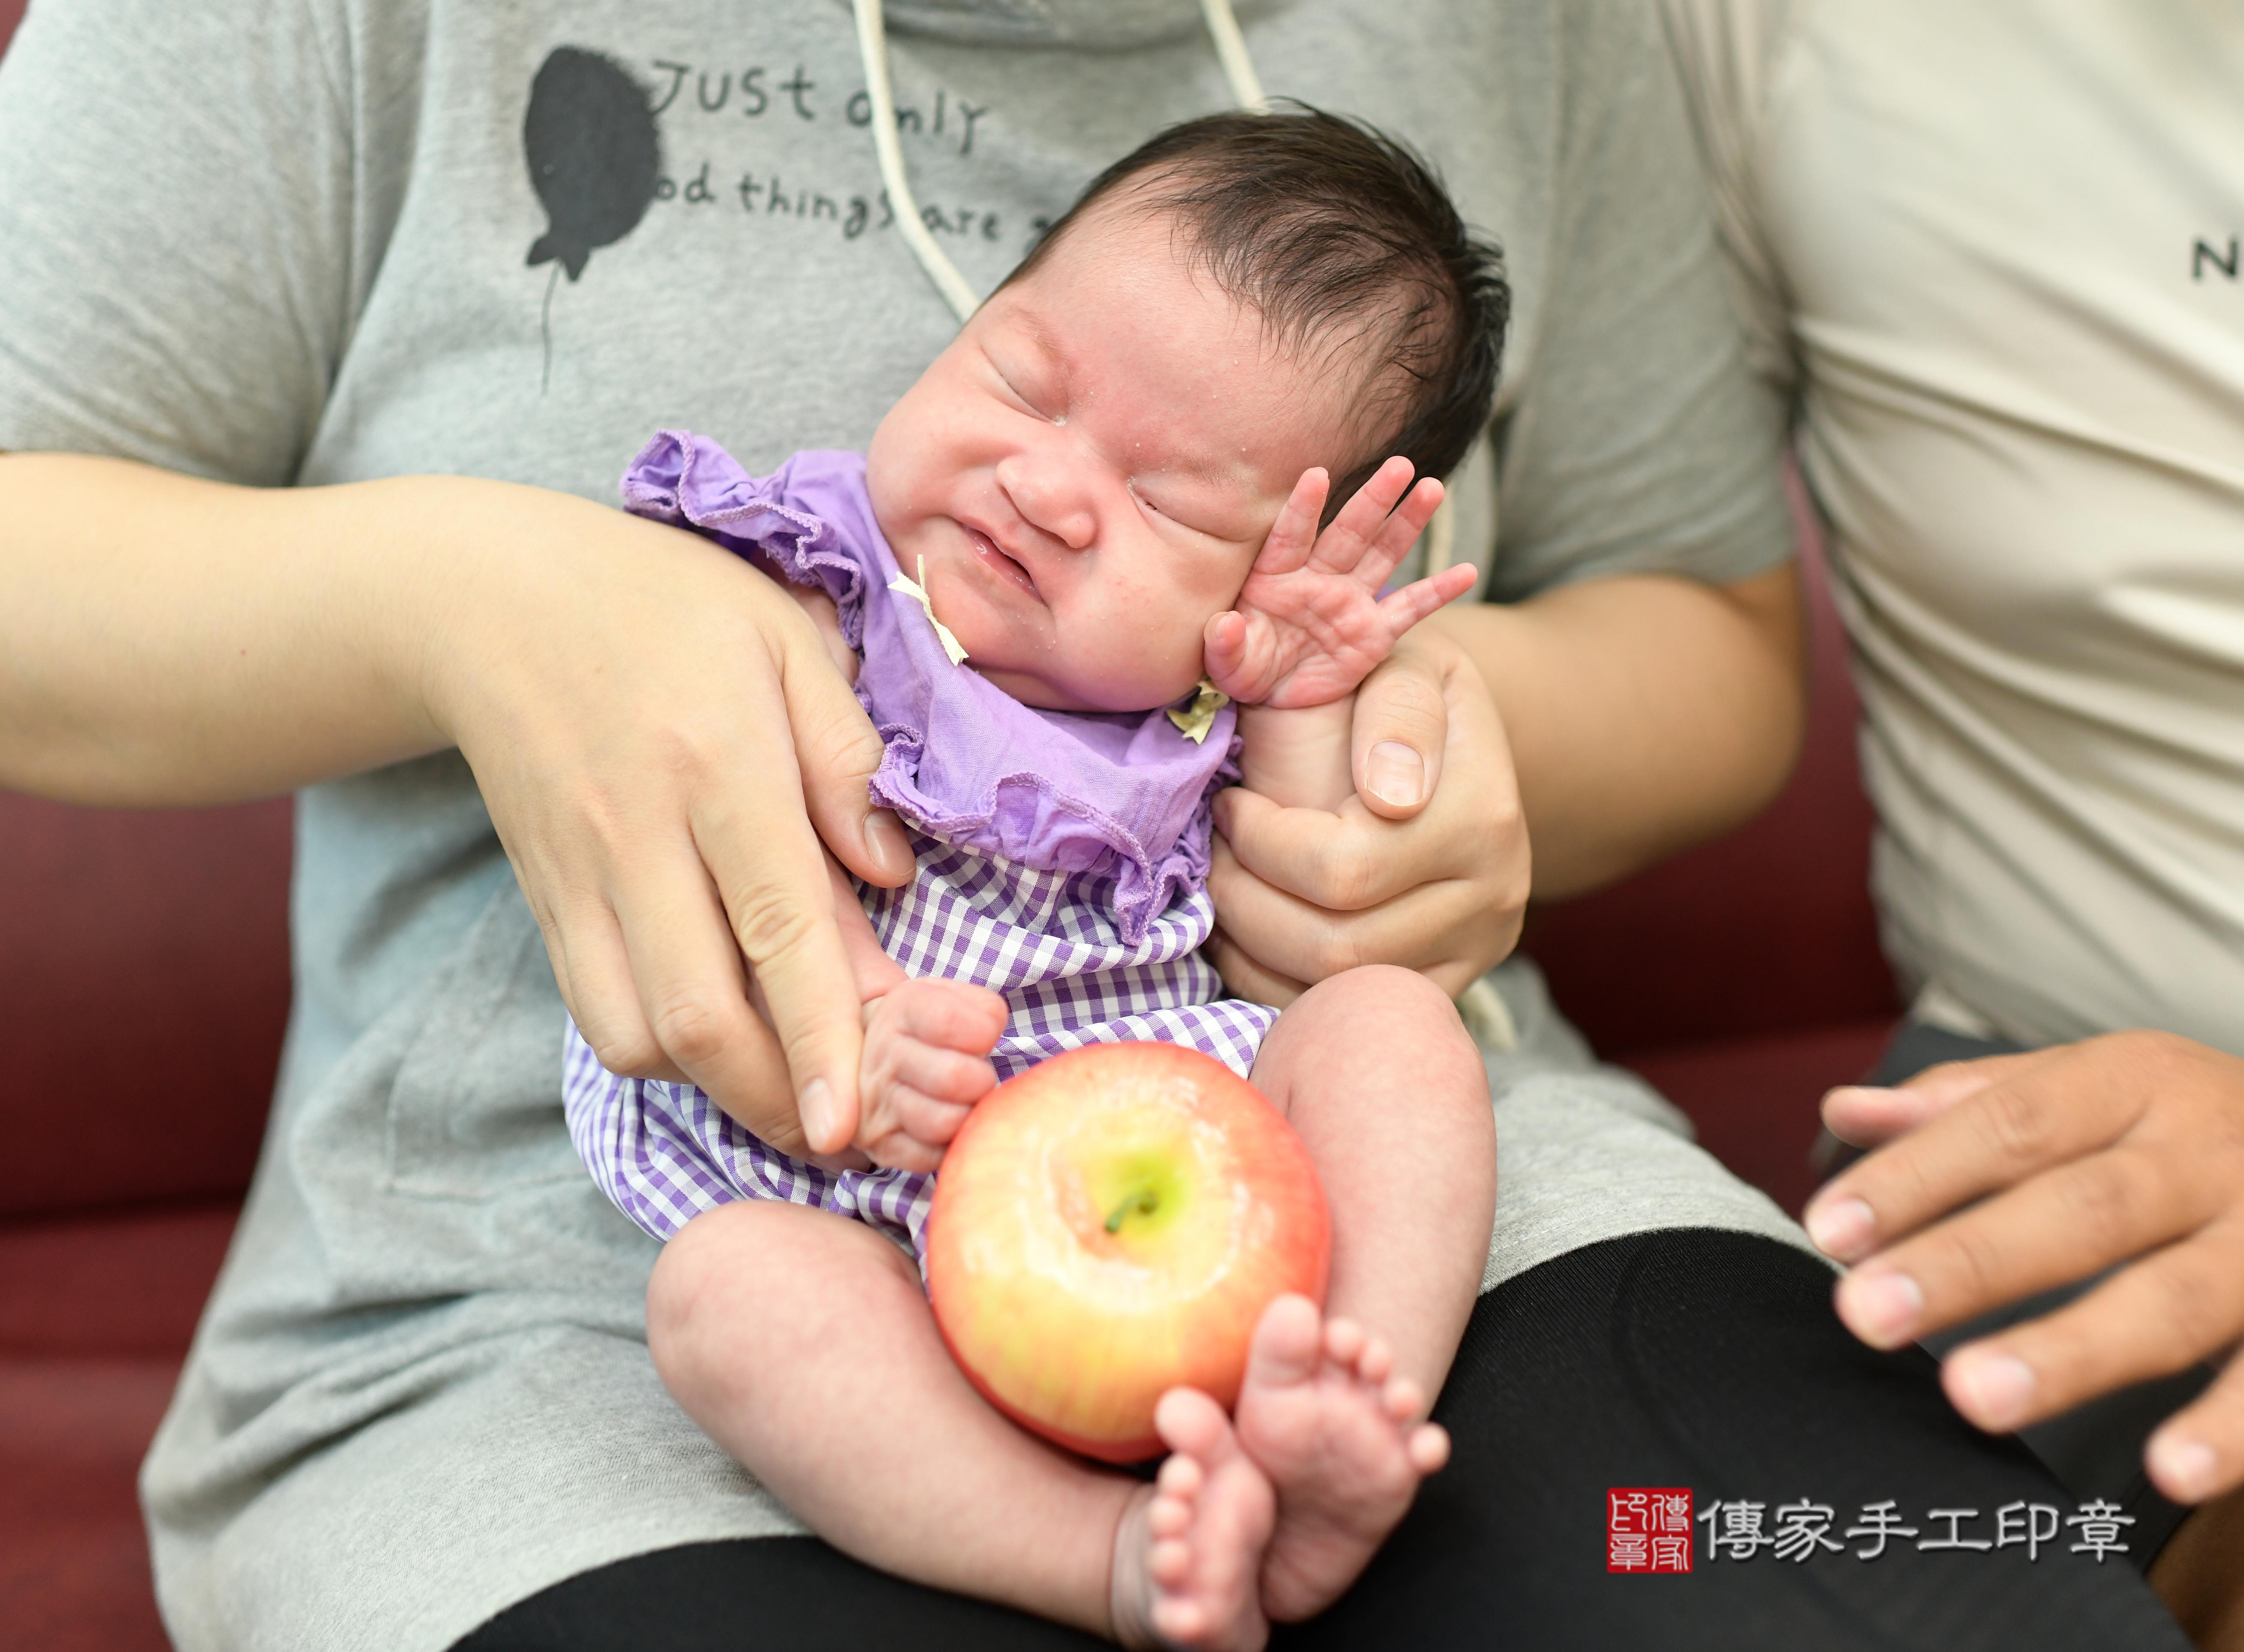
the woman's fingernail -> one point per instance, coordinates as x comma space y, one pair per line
1396, 774
1997, 1388
2184, 1468
1842, 1228
885, 841
1882, 1308
816, 1109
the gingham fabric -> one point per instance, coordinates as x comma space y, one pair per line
1047, 940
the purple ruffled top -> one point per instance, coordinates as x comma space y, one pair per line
1123, 795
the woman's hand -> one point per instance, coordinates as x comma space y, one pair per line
2011, 1176
662, 740
1426, 867
660, 735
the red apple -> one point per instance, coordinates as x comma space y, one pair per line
1111, 1223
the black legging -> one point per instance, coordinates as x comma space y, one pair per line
1683, 1358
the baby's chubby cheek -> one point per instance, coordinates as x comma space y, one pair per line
1134, 660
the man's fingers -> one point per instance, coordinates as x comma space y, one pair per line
1399, 734
2198, 1453
2047, 1109
1423, 928
2158, 1317
1866, 1116
1244, 978
2064, 1224
1333, 860
836, 752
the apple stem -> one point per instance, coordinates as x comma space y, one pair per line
1142, 1203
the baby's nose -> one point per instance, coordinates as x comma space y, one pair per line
1050, 497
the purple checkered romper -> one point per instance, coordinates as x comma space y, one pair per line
1063, 858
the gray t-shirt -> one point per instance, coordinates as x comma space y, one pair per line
288, 244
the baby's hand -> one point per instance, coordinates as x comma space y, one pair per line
927, 1061
1310, 626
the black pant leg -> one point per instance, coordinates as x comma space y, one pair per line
1681, 1359
1712, 1360
759, 1594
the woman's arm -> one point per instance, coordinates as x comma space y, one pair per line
169, 640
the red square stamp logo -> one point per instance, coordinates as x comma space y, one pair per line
1648, 1528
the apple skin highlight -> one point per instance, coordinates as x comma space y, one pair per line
1110, 1225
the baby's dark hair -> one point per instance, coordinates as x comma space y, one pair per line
1339, 237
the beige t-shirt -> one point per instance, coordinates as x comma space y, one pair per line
1991, 251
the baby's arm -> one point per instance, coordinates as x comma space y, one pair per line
1309, 627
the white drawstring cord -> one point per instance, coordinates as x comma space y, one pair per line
872, 46
1230, 52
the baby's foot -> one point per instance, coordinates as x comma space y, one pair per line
1188, 1557
1344, 1442
927, 1061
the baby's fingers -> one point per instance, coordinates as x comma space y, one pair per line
1293, 535
951, 1015
1413, 602
1352, 532
1399, 533
1239, 653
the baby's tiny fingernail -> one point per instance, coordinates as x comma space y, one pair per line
1997, 1388
1395, 774
1842, 1228
2184, 1468
1882, 1308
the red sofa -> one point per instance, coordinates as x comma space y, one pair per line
143, 984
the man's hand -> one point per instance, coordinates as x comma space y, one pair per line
2127, 1149
1426, 867
1310, 626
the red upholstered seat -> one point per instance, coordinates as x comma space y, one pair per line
143, 984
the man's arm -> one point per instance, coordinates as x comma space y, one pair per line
1647, 714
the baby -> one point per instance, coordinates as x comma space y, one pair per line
1100, 512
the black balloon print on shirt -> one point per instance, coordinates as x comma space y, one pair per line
594, 154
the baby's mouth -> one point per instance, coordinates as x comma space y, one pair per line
986, 552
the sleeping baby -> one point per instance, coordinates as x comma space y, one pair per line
1122, 545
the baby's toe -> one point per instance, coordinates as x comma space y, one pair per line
1192, 1425
1345, 1341
1402, 1400
1287, 1345
1428, 1448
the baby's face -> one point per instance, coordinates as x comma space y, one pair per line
1093, 464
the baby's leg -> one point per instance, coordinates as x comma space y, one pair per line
801, 1341
1378, 1075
